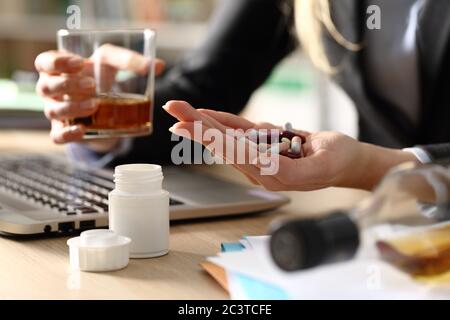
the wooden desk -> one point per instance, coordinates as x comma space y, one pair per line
39, 269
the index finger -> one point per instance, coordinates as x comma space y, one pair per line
56, 62
228, 119
238, 152
183, 111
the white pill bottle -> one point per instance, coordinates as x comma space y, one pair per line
139, 209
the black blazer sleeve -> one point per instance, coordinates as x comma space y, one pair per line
246, 39
438, 152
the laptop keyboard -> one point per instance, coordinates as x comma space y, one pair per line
59, 187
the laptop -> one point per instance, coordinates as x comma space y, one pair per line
48, 195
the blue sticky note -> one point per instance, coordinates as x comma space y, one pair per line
259, 290
252, 288
231, 246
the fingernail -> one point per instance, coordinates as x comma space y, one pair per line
88, 104
165, 106
86, 83
75, 62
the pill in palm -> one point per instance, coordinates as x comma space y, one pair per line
285, 140
288, 126
279, 147
296, 145
287, 134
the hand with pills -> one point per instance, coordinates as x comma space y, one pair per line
286, 142
307, 161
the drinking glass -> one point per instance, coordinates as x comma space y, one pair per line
123, 90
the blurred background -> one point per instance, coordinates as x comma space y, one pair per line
295, 91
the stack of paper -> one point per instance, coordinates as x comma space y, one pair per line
247, 271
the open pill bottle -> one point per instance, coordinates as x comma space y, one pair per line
139, 209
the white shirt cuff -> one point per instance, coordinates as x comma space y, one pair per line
420, 154
78, 152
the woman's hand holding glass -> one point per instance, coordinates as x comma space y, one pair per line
330, 158
67, 85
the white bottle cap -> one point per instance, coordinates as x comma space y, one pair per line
99, 250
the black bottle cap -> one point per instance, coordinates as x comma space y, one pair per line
306, 243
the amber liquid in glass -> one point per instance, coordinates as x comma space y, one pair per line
424, 254
118, 115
